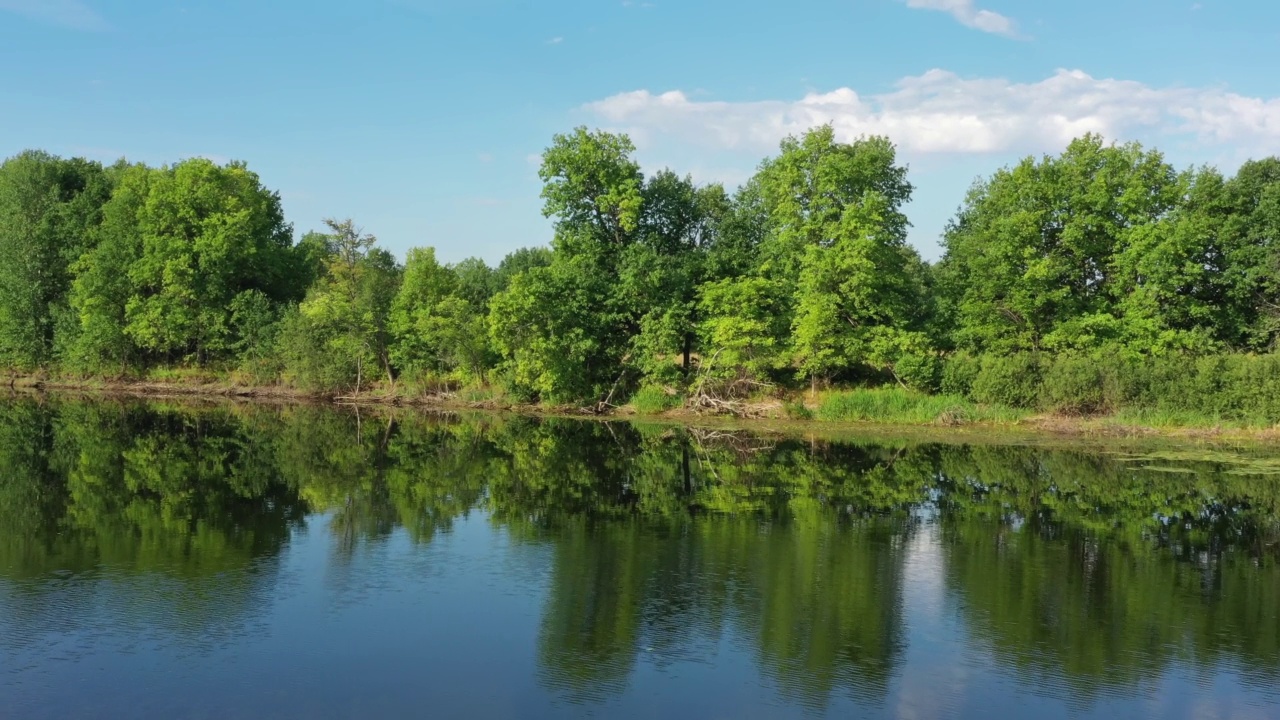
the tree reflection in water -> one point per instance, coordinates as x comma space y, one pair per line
1086, 571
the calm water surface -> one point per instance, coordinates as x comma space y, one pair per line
170, 562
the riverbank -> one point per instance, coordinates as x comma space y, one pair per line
869, 409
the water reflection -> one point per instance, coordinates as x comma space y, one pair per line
1084, 575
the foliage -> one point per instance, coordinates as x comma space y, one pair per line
855, 300
208, 233
1042, 245
557, 343
742, 328
651, 400
48, 208
959, 370
1097, 280
1073, 384
339, 338
96, 341
898, 405
1009, 380
425, 286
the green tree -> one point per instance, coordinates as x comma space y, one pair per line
743, 330
558, 340
49, 210
208, 234
1251, 231
340, 335
519, 261
477, 282
1032, 255
661, 272
95, 339
857, 301
564, 330
426, 284
593, 189
439, 318
813, 182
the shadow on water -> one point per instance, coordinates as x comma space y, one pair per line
1084, 575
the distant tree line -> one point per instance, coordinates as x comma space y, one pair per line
1065, 281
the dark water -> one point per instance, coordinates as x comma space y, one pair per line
307, 563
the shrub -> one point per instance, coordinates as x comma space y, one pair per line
919, 370
1073, 383
958, 373
1010, 380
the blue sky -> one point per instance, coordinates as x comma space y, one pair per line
422, 119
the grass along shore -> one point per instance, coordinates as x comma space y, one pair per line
858, 407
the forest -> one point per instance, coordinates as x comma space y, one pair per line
1093, 281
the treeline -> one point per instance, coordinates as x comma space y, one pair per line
1095, 279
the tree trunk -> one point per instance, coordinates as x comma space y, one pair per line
688, 354
688, 479
386, 365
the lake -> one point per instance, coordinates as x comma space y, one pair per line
170, 561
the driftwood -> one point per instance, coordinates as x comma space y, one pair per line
739, 441
725, 395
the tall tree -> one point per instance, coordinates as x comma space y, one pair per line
1032, 253
807, 189
558, 340
660, 274
49, 208
346, 315
821, 226
857, 301
425, 286
95, 340
208, 233
593, 190
1252, 244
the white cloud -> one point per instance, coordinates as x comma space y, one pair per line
555, 40
969, 15
73, 14
939, 113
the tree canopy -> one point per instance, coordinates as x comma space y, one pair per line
802, 276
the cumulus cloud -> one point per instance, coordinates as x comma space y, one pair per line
72, 14
969, 15
941, 112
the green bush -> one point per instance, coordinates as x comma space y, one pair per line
919, 370
958, 373
1238, 387
1228, 387
1009, 380
1073, 384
